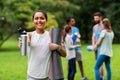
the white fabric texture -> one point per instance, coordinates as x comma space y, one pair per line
39, 55
106, 45
70, 48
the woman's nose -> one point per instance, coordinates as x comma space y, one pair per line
39, 19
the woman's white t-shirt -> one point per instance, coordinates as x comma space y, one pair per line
39, 55
106, 45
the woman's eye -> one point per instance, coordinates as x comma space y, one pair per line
36, 18
42, 18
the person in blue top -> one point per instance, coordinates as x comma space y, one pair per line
76, 37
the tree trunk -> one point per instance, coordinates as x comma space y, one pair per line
10, 34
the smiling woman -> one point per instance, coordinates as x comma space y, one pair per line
40, 48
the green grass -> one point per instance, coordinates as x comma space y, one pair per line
14, 67
89, 62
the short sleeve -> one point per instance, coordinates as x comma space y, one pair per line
102, 34
77, 30
94, 30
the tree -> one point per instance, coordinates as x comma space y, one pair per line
84, 17
112, 12
61, 9
18, 13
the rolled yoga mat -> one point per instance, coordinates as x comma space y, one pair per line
57, 71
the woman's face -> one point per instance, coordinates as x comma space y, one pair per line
39, 20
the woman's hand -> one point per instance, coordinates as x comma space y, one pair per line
53, 46
95, 47
59, 48
28, 40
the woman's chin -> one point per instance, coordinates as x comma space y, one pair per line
40, 27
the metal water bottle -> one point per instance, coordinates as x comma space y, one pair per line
23, 47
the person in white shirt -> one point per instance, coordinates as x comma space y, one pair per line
40, 48
70, 50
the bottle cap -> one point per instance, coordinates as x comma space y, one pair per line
24, 32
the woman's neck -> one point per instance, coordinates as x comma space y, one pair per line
40, 31
108, 30
69, 33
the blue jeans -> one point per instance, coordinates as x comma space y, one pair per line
71, 69
99, 62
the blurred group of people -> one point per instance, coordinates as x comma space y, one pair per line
102, 38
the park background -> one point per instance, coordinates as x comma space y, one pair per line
18, 13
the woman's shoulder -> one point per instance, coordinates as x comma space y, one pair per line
107, 32
104, 30
30, 33
47, 31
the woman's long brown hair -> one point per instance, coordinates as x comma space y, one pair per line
66, 30
107, 24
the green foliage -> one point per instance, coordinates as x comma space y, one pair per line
109, 8
52, 23
19, 13
16, 13
61, 9
112, 11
